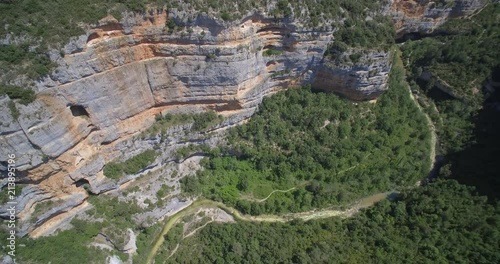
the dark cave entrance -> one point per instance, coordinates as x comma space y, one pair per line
78, 110
92, 37
82, 182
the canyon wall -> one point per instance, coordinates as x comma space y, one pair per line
112, 81
424, 16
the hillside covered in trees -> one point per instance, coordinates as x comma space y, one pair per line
452, 219
332, 150
443, 222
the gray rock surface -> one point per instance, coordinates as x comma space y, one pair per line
364, 79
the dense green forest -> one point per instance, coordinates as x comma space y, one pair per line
334, 151
443, 222
462, 60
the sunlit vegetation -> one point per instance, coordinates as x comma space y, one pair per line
361, 33
200, 121
25, 96
443, 222
72, 246
4, 192
135, 164
335, 151
172, 238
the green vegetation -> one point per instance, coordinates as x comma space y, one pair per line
172, 238
462, 60
33, 64
115, 170
25, 96
211, 57
438, 223
201, 121
71, 246
282, 9
358, 32
271, 52
67, 246
145, 240
330, 150
225, 16
171, 25
4, 192
13, 110
163, 191
336, 151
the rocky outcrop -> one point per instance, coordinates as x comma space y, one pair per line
357, 75
424, 16
124, 70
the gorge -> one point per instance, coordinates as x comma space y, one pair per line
116, 81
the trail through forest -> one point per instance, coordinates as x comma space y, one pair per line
304, 216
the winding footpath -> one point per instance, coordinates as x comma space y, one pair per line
304, 216
267, 197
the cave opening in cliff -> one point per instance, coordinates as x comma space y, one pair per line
82, 182
78, 110
92, 37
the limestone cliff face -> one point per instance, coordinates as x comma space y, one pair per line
113, 81
424, 16
357, 75
120, 70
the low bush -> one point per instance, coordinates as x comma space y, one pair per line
115, 170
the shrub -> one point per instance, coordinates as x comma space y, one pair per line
355, 57
271, 52
133, 165
225, 16
25, 96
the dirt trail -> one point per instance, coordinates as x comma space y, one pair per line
305, 216
252, 199
432, 153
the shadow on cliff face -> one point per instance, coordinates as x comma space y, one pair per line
479, 164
